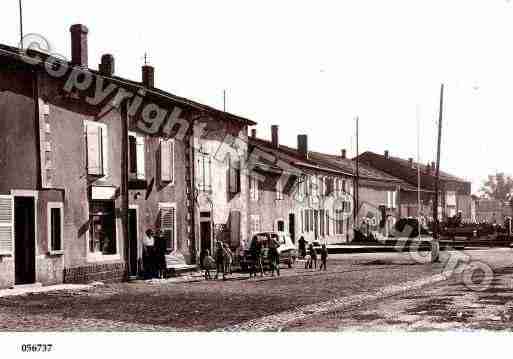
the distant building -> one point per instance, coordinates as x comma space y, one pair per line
492, 210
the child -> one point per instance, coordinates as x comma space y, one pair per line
324, 257
228, 259
208, 264
313, 257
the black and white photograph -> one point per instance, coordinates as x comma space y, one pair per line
255, 178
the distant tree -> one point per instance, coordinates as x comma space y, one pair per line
498, 186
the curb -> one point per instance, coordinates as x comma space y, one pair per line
276, 322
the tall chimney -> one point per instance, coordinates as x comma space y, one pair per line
343, 154
433, 167
79, 44
302, 145
387, 156
107, 65
148, 76
274, 136
410, 162
253, 133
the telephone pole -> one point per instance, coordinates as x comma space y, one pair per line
356, 182
21, 24
435, 246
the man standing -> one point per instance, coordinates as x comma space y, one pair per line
149, 254
220, 259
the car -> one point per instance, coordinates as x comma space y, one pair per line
287, 249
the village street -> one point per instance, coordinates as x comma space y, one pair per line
215, 305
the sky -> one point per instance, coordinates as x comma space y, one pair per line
311, 67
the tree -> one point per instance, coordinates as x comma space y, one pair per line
498, 186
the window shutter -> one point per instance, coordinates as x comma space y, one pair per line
94, 150
166, 161
6, 225
132, 153
232, 177
328, 222
167, 225
394, 199
140, 153
235, 228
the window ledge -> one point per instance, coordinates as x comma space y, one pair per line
56, 253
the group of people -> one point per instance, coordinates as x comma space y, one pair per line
222, 263
154, 255
256, 250
310, 254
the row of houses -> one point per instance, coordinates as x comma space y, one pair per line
91, 160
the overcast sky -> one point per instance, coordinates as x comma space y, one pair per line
312, 66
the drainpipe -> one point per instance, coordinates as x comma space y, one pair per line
35, 94
124, 184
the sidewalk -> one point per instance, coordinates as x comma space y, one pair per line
38, 288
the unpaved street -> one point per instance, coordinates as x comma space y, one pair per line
213, 305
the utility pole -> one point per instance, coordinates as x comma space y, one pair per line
356, 187
21, 24
224, 100
124, 184
435, 246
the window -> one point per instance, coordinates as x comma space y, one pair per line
327, 222
55, 227
136, 155
102, 227
339, 221
280, 226
279, 189
302, 222
96, 144
321, 222
167, 212
204, 171
391, 199
253, 188
234, 176
307, 220
254, 224
167, 160
450, 198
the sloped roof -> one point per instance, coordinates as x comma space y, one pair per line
14, 53
294, 158
405, 170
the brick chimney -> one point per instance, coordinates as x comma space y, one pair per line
253, 133
148, 76
433, 167
343, 154
387, 155
107, 65
410, 162
79, 45
302, 145
274, 136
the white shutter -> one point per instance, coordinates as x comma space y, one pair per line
93, 150
394, 199
168, 224
165, 161
140, 157
6, 225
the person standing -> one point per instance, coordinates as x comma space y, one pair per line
220, 259
149, 254
160, 255
208, 264
274, 256
324, 257
228, 258
302, 247
313, 257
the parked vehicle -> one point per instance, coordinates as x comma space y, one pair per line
287, 249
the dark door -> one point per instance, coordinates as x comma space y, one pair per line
292, 227
316, 224
24, 240
132, 240
205, 239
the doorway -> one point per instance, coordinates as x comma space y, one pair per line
316, 224
133, 243
292, 227
24, 240
205, 235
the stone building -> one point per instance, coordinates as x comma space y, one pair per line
79, 146
454, 192
291, 192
